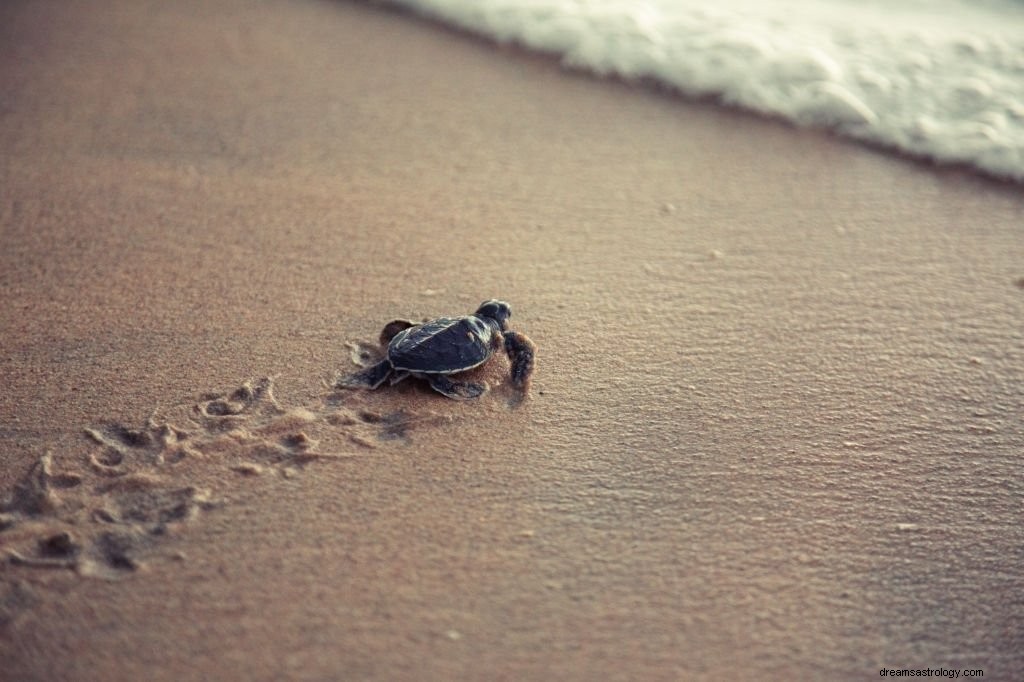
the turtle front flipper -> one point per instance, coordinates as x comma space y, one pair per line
521, 352
392, 328
457, 390
370, 378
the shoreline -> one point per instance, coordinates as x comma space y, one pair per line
454, 27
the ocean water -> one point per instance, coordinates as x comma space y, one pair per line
936, 79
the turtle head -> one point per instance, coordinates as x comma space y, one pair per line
495, 310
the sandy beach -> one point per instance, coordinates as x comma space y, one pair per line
775, 430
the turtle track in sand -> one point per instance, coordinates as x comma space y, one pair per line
103, 511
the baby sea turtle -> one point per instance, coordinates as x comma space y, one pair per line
437, 349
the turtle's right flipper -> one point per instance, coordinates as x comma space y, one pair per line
521, 353
457, 390
370, 378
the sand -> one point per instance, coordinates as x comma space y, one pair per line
774, 432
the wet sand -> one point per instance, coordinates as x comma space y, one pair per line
775, 429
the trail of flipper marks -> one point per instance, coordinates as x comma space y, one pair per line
103, 513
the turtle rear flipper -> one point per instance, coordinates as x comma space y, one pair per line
459, 390
391, 330
370, 378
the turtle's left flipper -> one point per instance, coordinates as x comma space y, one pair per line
458, 390
521, 352
391, 330
371, 377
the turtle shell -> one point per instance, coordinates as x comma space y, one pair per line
442, 346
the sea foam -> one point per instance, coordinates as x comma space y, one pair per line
939, 79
